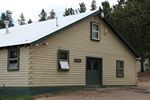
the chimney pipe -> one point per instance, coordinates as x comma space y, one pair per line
102, 15
56, 21
6, 22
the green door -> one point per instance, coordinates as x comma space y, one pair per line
93, 71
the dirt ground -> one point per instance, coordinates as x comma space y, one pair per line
142, 92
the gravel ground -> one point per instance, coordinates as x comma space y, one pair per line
135, 93
142, 92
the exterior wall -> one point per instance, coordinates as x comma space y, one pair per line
14, 78
77, 40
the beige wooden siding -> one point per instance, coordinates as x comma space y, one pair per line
76, 39
14, 78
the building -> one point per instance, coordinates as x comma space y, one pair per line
82, 50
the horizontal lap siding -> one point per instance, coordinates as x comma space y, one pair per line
76, 39
14, 78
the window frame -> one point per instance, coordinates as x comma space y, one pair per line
67, 60
16, 49
119, 67
98, 31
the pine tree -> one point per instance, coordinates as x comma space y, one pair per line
66, 13
93, 5
82, 8
69, 11
6, 16
22, 20
52, 15
3, 16
29, 21
43, 15
9, 18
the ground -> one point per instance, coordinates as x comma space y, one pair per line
141, 92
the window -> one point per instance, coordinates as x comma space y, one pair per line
63, 60
13, 58
95, 33
119, 69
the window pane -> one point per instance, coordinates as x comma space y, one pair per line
13, 54
120, 68
95, 27
63, 55
120, 72
95, 35
64, 64
13, 58
13, 64
121, 64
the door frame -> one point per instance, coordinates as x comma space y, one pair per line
101, 69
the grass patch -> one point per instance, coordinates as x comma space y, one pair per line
16, 98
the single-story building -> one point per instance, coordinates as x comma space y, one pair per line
74, 51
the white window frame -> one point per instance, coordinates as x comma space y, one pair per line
97, 31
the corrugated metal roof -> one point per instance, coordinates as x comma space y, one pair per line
29, 33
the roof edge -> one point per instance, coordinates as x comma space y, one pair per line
64, 28
93, 14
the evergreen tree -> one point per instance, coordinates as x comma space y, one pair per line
43, 15
2, 25
106, 9
9, 18
132, 19
6, 16
52, 15
22, 20
82, 8
29, 21
93, 5
66, 13
69, 11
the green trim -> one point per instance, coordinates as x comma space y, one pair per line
14, 91
121, 37
21, 91
60, 30
18, 91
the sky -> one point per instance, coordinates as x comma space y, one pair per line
32, 8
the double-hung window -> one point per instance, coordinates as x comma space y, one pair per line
63, 60
13, 58
119, 68
95, 32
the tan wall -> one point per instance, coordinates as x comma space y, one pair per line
14, 78
77, 40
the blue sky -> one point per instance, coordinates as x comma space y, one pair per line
32, 8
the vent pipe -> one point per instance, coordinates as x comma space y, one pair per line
102, 15
56, 21
6, 26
